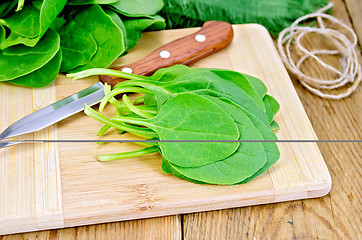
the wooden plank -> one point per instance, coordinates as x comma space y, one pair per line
335, 216
354, 8
154, 228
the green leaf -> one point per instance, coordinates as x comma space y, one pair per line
30, 24
242, 81
78, 46
180, 78
271, 152
43, 76
6, 7
272, 107
118, 21
268, 110
108, 36
166, 167
58, 23
273, 104
21, 60
271, 148
257, 84
243, 163
274, 125
192, 117
134, 27
25, 23
137, 8
86, 2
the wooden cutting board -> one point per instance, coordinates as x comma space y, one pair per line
56, 185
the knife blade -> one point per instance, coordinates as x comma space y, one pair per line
212, 37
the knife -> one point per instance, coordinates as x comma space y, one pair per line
212, 37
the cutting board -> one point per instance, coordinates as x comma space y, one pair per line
57, 185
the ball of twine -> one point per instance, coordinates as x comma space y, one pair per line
350, 68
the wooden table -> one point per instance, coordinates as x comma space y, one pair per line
335, 216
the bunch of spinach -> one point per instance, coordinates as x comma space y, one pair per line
40, 38
205, 119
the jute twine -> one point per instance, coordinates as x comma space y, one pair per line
345, 47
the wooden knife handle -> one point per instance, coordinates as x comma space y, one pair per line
212, 37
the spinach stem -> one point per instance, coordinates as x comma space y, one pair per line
134, 109
139, 100
113, 101
137, 153
136, 121
144, 133
105, 71
116, 92
147, 109
146, 144
103, 130
137, 82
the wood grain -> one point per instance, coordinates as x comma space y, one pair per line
155, 228
336, 216
354, 9
30, 186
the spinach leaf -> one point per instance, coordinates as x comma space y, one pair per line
21, 60
11, 39
43, 76
34, 22
242, 81
243, 163
134, 27
78, 46
180, 117
20, 5
268, 110
58, 23
86, 2
274, 125
6, 7
257, 84
274, 108
118, 21
137, 8
101, 27
181, 79
166, 167
25, 23
191, 117
274, 105
271, 148
270, 104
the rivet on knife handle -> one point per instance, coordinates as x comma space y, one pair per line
212, 37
